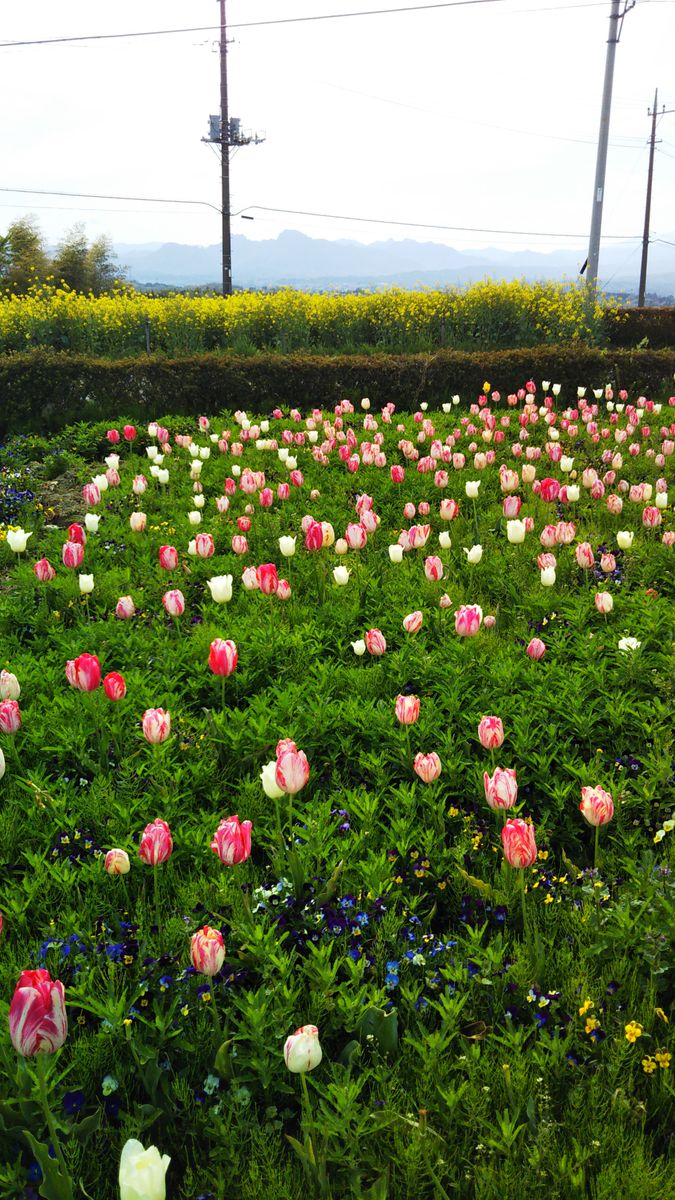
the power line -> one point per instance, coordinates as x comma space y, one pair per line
374, 12
105, 196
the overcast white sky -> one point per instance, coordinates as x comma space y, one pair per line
479, 115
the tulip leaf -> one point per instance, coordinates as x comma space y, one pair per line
480, 884
382, 1027
55, 1185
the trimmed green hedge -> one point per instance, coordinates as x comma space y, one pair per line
42, 391
656, 325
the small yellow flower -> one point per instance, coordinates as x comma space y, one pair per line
648, 1065
663, 1058
591, 1024
660, 1013
633, 1031
585, 1007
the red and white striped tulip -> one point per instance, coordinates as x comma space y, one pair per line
490, 732
156, 845
38, 1023
518, 840
84, 672
407, 709
375, 643
223, 657
427, 766
168, 558
207, 951
468, 620
174, 602
116, 862
156, 725
232, 841
114, 686
292, 770
501, 789
596, 805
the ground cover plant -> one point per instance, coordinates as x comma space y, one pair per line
336, 834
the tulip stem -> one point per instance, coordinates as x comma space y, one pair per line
49, 1117
155, 889
596, 856
214, 1011
522, 902
222, 692
475, 524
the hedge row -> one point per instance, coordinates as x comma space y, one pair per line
656, 326
42, 391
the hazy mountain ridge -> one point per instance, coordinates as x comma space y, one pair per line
293, 259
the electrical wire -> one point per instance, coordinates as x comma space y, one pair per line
105, 196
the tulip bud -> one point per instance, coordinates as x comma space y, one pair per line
232, 841
116, 862
491, 732
520, 848
142, 1172
596, 805
207, 951
38, 1023
302, 1051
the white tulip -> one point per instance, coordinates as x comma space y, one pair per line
313, 436
193, 450
18, 540
269, 781
620, 408
446, 408
192, 548
359, 647
556, 389
142, 1172
162, 476
471, 488
196, 468
396, 553
455, 400
515, 532
204, 453
629, 643
86, 584
158, 460
365, 404
661, 500
547, 576
444, 541
112, 460
581, 392
572, 492
151, 452
236, 470
566, 464
287, 546
199, 501
291, 463
341, 575
2, 764
624, 539
10, 688
91, 521
283, 453
264, 426
221, 588
475, 554
194, 517
341, 546
154, 470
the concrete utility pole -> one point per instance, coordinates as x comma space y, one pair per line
648, 203
615, 26
225, 157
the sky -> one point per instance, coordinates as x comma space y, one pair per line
481, 114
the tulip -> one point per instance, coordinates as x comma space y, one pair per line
626, 643
433, 568
413, 622
232, 841
624, 539
138, 522
471, 488
292, 771
17, 540
302, 1051
475, 554
515, 532
2, 772
520, 848
44, 571
195, 517
10, 716
427, 767
356, 537
204, 545
129, 432
92, 521
156, 725
314, 535
221, 588
269, 781
565, 532
407, 709
174, 602
10, 688
76, 534
139, 485
396, 553
239, 544
116, 862
84, 672
91, 494
341, 575
142, 1172
113, 436
547, 576
596, 805
491, 732
125, 608
156, 845
287, 546
114, 686
168, 558
607, 563
584, 556
651, 517
501, 789
604, 602
468, 620
418, 536
268, 579
72, 554
38, 1023
223, 657
86, 584
284, 746
536, 649
207, 951
359, 647
375, 643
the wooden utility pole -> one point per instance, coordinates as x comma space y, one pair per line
648, 203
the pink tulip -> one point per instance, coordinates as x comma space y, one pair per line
239, 544
156, 725
397, 474
409, 510
77, 534
296, 478
520, 848
204, 545
91, 494
596, 805
407, 709
114, 686
536, 649
565, 533
356, 537
174, 602
413, 622
125, 608
139, 486
668, 537
607, 563
268, 579
604, 602
549, 489
448, 509
651, 517
44, 571
427, 767
113, 436
511, 506
244, 524
501, 789
223, 657
232, 841
113, 477
116, 862
156, 845
38, 1023
10, 716
129, 432
418, 536
73, 554
84, 672
584, 556
168, 558
468, 620
285, 746
283, 491
490, 732
207, 951
544, 561
284, 590
266, 498
548, 537
433, 568
375, 642
292, 771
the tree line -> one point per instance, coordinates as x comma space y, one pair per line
26, 262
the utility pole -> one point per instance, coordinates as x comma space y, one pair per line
648, 203
615, 26
226, 131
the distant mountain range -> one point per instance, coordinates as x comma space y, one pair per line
316, 264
